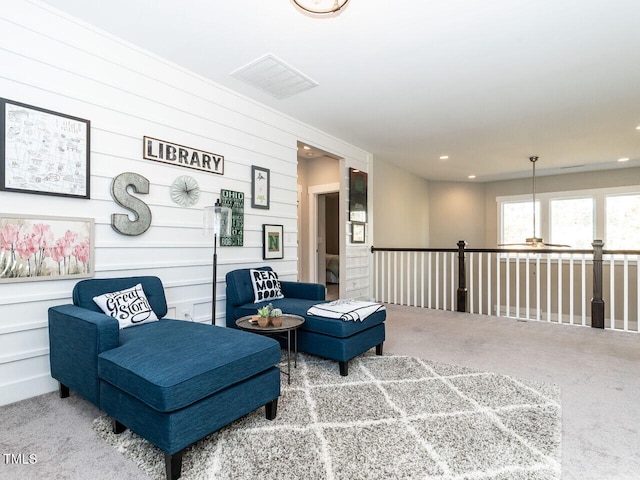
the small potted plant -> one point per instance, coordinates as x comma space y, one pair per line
264, 314
276, 317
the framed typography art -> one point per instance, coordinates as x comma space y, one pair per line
234, 201
45, 248
43, 152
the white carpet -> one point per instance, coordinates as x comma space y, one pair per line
393, 417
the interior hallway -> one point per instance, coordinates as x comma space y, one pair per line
596, 370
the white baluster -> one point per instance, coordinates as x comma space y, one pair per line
470, 296
625, 289
584, 291
560, 288
612, 290
538, 307
571, 289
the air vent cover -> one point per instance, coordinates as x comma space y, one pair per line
274, 76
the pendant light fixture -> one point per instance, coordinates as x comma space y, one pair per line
534, 241
321, 8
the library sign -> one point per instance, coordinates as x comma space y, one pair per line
181, 156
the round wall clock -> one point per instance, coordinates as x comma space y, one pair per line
185, 191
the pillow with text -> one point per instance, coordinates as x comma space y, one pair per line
130, 307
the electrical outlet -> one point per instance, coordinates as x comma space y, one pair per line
186, 315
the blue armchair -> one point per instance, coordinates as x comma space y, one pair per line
326, 337
172, 382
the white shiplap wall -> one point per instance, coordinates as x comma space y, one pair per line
56, 62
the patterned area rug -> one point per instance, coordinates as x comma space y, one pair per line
393, 417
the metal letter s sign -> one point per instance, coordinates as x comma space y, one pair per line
120, 221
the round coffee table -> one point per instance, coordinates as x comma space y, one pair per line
290, 323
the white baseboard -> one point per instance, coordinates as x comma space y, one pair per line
521, 314
27, 388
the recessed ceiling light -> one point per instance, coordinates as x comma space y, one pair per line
471, 176
638, 127
444, 157
625, 159
307, 147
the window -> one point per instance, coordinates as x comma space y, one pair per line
574, 218
622, 222
517, 221
571, 222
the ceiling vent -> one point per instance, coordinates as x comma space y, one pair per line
274, 76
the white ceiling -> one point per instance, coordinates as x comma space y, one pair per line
486, 83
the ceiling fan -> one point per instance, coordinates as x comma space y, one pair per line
533, 241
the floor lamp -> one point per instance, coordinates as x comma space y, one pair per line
217, 220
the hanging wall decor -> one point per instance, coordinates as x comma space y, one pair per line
260, 186
181, 156
42, 151
357, 232
357, 195
235, 201
185, 191
272, 237
121, 222
39, 247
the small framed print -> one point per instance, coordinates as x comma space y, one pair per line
260, 186
43, 152
272, 242
357, 232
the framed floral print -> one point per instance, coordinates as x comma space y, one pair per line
45, 248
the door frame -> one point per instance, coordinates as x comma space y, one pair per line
313, 192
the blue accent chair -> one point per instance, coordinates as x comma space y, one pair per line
172, 382
325, 337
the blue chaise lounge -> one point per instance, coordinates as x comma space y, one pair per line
326, 337
172, 382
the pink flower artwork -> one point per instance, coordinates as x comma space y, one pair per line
9, 236
26, 246
45, 248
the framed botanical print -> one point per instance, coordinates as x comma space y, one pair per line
43, 152
260, 186
272, 242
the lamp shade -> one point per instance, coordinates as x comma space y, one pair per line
217, 220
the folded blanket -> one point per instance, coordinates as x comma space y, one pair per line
345, 309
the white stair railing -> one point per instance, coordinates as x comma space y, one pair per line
540, 285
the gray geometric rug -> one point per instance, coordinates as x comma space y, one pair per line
393, 417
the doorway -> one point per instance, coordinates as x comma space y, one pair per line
317, 231
328, 247
319, 217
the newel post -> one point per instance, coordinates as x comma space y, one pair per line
461, 304
597, 303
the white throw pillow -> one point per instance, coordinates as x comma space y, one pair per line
266, 285
130, 307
